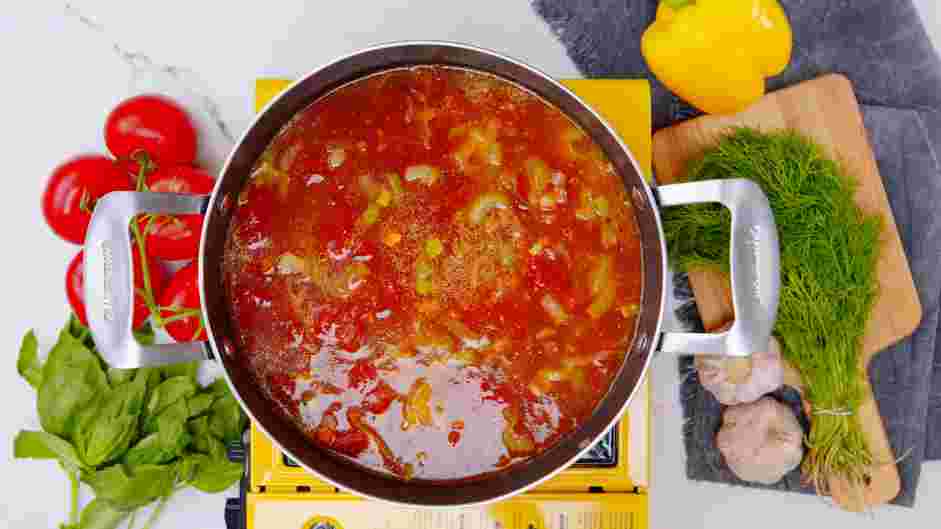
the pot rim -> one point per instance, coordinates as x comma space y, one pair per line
649, 339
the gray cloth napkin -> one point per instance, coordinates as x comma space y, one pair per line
882, 47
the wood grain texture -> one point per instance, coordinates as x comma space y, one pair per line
825, 110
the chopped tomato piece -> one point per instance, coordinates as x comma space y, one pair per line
350, 442
361, 374
325, 435
329, 389
389, 460
380, 398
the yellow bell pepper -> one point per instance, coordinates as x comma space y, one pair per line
716, 54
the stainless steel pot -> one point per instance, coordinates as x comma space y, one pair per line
109, 282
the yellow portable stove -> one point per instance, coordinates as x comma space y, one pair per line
607, 489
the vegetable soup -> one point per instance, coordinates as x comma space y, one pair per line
434, 273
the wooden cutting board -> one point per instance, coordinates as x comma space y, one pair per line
826, 110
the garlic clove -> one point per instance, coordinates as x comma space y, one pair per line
761, 441
734, 380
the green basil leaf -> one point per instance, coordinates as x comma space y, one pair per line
213, 473
63, 395
200, 404
175, 440
108, 440
114, 427
178, 411
29, 444
131, 487
217, 449
76, 329
71, 378
148, 451
88, 414
190, 464
157, 448
43, 445
184, 369
128, 399
118, 376
169, 437
174, 416
145, 334
99, 514
69, 349
227, 422
218, 387
27, 364
111, 478
202, 436
217, 476
209, 469
152, 374
168, 392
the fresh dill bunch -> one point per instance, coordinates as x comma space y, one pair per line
829, 249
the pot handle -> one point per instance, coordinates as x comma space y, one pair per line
755, 266
109, 279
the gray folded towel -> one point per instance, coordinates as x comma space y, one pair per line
883, 49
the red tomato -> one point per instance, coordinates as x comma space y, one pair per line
182, 292
175, 237
73, 189
180, 179
75, 287
153, 124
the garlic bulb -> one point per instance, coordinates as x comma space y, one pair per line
761, 441
735, 380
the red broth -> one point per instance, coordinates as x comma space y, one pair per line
434, 273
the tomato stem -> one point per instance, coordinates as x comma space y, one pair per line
181, 315
85, 203
148, 293
199, 328
145, 167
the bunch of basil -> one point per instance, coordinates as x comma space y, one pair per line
135, 436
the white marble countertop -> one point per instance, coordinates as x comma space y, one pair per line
67, 64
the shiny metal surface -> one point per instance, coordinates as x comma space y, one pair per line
337, 470
754, 268
109, 280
